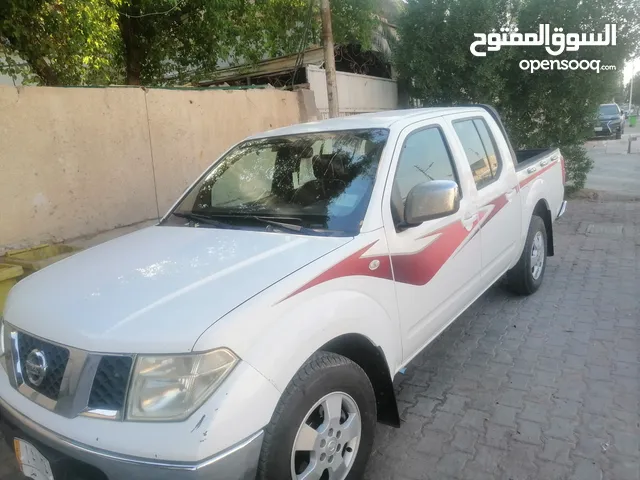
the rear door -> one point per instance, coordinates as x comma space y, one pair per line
497, 199
436, 265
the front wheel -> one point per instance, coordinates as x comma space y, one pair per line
526, 276
324, 424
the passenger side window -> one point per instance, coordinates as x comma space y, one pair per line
424, 157
480, 148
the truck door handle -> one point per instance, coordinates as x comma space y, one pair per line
544, 162
531, 169
469, 222
510, 194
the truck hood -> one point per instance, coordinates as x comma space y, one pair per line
603, 118
156, 290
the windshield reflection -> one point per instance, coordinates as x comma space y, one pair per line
313, 183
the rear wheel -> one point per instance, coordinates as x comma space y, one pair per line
324, 424
526, 277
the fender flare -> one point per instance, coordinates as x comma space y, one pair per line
347, 322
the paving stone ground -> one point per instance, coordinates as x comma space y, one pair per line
614, 170
545, 387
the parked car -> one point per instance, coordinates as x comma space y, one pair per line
255, 331
610, 121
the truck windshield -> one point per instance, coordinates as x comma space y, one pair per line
315, 182
608, 110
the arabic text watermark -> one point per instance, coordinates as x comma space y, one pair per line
571, 42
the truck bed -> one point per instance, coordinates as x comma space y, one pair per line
523, 158
545, 164
530, 156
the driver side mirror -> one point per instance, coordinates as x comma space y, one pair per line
431, 200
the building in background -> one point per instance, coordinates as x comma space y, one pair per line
7, 79
365, 79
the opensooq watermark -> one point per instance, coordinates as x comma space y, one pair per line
555, 43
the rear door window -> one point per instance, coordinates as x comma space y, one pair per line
480, 149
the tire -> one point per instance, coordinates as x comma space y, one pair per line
618, 135
325, 378
523, 278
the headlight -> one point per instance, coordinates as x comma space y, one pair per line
170, 388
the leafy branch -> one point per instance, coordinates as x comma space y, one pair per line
160, 42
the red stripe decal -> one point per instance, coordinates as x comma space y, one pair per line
532, 177
354, 264
420, 267
415, 268
498, 204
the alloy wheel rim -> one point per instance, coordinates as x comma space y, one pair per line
537, 255
327, 441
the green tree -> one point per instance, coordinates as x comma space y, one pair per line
545, 108
62, 42
636, 91
620, 89
158, 42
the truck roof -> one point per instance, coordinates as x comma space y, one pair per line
385, 119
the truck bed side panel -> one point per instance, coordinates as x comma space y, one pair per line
525, 158
541, 179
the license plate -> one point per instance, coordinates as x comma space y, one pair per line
31, 461
598, 129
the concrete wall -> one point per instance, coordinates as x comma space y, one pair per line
76, 161
190, 129
356, 93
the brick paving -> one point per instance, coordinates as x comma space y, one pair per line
545, 387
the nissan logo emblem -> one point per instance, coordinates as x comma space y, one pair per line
36, 367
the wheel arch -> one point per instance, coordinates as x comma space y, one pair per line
360, 350
542, 210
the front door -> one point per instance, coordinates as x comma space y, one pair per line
436, 265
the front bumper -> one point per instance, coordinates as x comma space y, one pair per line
607, 129
73, 460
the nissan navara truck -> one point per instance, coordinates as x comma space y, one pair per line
255, 331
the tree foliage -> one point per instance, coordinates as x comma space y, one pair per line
63, 42
636, 91
159, 42
544, 108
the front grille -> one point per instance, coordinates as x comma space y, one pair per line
110, 383
56, 358
37, 369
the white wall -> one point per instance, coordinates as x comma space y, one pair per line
356, 93
77, 161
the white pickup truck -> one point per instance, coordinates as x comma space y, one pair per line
255, 331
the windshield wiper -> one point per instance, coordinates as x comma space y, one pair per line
197, 218
285, 223
279, 223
